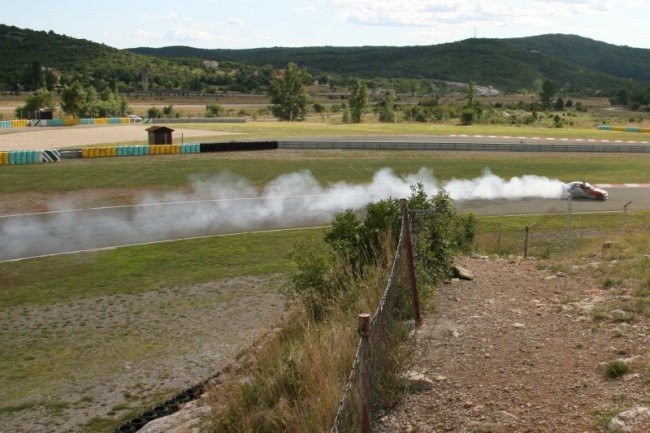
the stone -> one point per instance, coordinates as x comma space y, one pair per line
630, 421
519, 325
619, 314
189, 419
506, 417
462, 273
560, 275
417, 382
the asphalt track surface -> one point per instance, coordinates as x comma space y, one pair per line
25, 236
33, 235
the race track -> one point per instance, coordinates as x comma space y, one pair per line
31, 235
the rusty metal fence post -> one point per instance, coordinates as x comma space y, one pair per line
364, 370
408, 244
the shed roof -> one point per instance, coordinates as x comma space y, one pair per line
158, 128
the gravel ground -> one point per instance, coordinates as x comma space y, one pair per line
84, 135
126, 351
519, 350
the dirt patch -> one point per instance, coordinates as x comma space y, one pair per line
126, 352
85, 135
522, 350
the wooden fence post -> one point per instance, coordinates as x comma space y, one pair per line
408, 244
499, 238
526, 242
364, 372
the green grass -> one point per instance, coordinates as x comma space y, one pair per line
176, 171
43, 360
146, 267
547, 233
277, 130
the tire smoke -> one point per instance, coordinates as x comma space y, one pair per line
227, 203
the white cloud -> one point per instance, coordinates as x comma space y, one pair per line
418, 13
233, 21
305, 9
264, 37
185, 34
170, 16
144, 35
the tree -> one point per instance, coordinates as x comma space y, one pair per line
559, 104
288, 94
358, 101
41, 98
387, 111
549, 89
73, 98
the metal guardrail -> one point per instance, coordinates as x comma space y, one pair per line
480, 147
196, 120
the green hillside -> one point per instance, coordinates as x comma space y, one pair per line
507, 64
610, 59
26, 51
582, 66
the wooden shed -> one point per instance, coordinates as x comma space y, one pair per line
160, 135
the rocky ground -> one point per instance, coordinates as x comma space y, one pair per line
520, 349
97, 359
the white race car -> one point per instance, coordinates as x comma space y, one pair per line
585, 190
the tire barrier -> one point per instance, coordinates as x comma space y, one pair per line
20, 123
234, 146
20, 157
623, 128
168, 407
190, 148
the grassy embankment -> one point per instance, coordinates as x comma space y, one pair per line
176, 171
63, 325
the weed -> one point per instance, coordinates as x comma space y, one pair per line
615, 369
604, 416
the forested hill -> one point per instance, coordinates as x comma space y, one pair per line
610, 59
584, 65
31, 58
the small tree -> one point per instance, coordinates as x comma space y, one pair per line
41, 98
549, 89
387, 111
73, 99
214, 110
288, 94
559, 104
358, 101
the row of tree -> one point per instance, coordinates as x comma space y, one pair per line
76, 101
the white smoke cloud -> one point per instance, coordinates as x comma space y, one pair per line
227, 203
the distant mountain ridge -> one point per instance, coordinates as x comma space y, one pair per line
511, 64
582, 65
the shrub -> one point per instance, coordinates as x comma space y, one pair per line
214, 110
467, 116
616, 369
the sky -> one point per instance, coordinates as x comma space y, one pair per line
294, 23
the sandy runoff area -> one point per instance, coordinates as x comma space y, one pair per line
84, 135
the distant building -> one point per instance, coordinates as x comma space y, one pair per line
160, 135
211, 64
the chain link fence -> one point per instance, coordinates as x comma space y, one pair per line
372, 380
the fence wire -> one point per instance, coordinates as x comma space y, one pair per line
382, 340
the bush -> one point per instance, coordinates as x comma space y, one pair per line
153, 113
214, 110
467, 116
